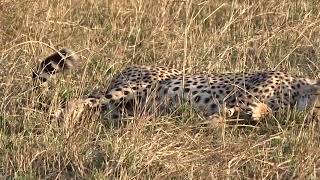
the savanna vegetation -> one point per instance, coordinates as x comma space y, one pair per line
195, 35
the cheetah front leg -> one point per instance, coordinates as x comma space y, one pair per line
259, 110
253, 112
223, 113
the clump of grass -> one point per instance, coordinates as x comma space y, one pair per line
195, 35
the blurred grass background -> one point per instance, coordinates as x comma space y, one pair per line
195, 35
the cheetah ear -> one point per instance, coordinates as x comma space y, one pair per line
57, 62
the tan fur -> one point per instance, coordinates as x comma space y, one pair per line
257, 94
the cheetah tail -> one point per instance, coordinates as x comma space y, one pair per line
57, 62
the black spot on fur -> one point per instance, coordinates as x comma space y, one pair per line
206, 100
108, 96
200, 86
232, 100
165, 91
175, 89
213, 106
197, 99
126, 92
186, 90
269, 81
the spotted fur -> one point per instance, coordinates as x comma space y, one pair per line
255, 94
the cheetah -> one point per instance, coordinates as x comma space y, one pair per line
252, 95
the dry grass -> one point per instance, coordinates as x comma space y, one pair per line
198, 35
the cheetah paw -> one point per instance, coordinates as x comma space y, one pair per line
259, 110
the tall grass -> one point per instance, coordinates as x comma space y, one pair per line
213, 36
